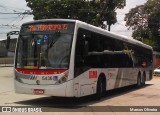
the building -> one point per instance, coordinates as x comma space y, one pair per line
3, 50
10, 52
156, 59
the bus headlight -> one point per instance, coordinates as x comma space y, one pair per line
18, 79
63, 79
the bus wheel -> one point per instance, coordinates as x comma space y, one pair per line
100, 89
139, 81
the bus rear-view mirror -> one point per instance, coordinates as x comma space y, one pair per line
8, 42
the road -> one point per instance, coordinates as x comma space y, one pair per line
128, 96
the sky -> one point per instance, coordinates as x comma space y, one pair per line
120, 27
12, 22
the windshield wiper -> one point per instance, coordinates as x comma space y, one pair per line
57, 33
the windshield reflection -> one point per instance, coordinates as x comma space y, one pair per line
44, 51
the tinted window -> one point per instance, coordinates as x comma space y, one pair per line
107, 52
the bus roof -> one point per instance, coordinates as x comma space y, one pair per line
95, 29
115, 36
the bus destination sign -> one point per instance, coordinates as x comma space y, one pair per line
47, 27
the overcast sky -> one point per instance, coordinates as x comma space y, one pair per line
16, 6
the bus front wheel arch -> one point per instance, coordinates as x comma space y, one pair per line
101, 87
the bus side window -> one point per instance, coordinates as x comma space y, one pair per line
80, 59
78, 52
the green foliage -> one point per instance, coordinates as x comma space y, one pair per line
148, 42
91, 11
145, 21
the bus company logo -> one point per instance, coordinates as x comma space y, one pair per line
33, 77
29, 77
110, 74
55, 78
92, 74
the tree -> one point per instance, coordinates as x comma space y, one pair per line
95, 12
145, 22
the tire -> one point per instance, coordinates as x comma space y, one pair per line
100, 89
139, 83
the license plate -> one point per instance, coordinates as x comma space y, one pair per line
38, 91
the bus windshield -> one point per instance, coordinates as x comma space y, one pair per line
44, 50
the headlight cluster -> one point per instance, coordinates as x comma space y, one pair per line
18, 79
63, 79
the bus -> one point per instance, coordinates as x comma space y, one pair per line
70, 58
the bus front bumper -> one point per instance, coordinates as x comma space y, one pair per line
51, 90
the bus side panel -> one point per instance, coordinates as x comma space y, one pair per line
85, 83
120, 77
111, 77
70, 89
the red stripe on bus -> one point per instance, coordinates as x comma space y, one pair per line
40, 72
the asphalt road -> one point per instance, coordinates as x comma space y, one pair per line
128, 96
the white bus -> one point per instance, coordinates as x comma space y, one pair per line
70, 58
